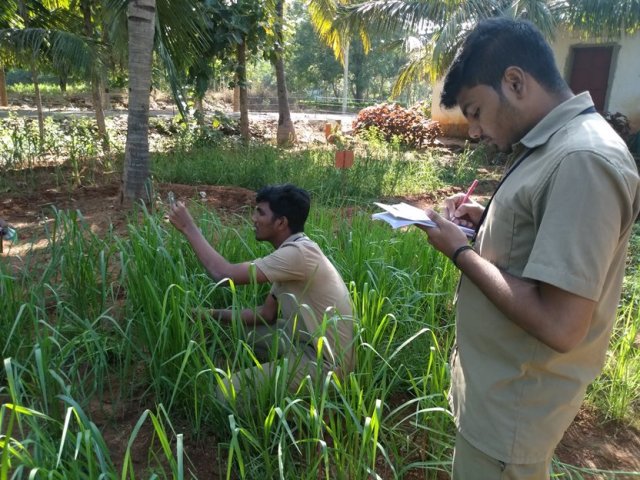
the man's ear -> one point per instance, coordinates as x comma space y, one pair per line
283, 222
514, 81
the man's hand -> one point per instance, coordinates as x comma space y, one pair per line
263, 314
466, 214
180, 217
203, 313
445, 236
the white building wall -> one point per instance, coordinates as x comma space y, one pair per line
624, 79
452, 121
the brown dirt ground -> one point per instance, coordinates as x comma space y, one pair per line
589, 442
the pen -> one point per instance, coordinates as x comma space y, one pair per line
472, 187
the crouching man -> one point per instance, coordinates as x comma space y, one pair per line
308, 298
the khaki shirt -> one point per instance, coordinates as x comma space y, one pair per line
307, 285
563, 217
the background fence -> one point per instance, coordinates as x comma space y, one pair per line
310, 103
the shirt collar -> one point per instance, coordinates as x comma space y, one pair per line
293, 238
555, 120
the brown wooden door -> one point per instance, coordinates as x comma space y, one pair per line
590, 71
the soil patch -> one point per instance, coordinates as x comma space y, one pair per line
591, 442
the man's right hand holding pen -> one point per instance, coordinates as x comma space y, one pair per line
458, 210
461, 210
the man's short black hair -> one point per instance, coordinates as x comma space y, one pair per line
493, 46
288, 201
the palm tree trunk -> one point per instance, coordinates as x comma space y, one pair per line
236, 98
38, 99
286, 133
96, 84
34, 74
105, 97
96, 87
198, 107
241, 80
4, 98
141, 18
345, 80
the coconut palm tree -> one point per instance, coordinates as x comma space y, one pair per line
43, 32
175, 30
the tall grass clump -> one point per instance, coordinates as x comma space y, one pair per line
20, 142
373, 175
616, 391
37, 445
166, 288
64, 443
365, 418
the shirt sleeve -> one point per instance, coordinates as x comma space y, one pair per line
283, 265
580, 226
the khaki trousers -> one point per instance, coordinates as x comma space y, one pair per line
272, 343
469, 463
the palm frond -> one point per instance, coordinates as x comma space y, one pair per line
538, 12
74, 50
603, 18
182, 27
24, 41
416, 70
59, 46
323, 15
393, 16
116, 24
172, 75
384, 17
444, 23
8, 14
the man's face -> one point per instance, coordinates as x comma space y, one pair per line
492, 117
264, 222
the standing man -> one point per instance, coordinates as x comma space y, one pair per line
307, 290
539, 289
